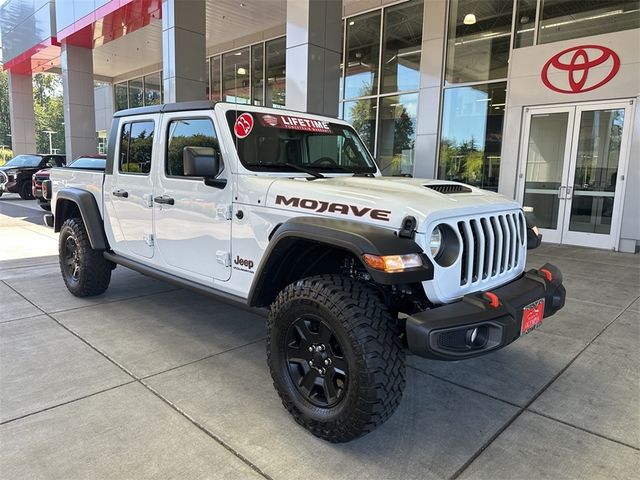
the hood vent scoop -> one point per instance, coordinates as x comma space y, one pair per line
447, 188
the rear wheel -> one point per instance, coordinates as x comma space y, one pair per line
25, 191
335, 356
84, 270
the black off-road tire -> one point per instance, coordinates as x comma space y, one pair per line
88, 273
25, 191
371, 346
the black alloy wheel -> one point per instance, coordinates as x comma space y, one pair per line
316, 361
71, 259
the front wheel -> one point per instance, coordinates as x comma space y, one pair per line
335, 356
84, 270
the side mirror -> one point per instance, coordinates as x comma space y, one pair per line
200, 162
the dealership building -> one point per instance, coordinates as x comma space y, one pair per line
535, 99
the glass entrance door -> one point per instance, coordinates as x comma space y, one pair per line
575, 161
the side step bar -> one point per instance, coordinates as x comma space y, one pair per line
184, 283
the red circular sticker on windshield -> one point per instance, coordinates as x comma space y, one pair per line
244, 125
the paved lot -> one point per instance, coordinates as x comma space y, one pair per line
148, 381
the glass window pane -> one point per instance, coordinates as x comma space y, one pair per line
207, 93
597, 159
122, 101
363, 53
276, 68
472, 134
136, 143
562, 19
362, 115
198, 132
402, 47
397, 134
215, 94
136, 93
235, 76
545, 161
153, 89
257, 74
479, 38
525, 23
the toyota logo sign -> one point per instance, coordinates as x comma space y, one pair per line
579, 64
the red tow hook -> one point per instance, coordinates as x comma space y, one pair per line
494, 301
547, 274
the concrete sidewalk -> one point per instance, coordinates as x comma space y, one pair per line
148, 381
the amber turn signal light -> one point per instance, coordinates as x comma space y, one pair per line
392, 263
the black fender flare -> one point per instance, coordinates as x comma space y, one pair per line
355, 237
89, 212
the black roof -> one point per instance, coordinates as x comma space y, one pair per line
167, 107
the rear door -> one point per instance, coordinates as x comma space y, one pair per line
192, 219
131, 190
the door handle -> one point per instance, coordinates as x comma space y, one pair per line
120, 193
561, 193
569, 193
164, 200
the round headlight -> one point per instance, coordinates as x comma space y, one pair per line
435, 243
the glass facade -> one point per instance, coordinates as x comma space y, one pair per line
471, 138
235, 76
563, 20
275, 70
251, 75
215, 79
138, 92
380, 81
478, 40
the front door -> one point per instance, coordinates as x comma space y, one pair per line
573, 172
192, 219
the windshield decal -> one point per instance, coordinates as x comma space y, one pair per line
295, 123
243, 125
320, 206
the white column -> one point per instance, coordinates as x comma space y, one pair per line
23, 120
434, 35
314, 33
184, 74
79, 104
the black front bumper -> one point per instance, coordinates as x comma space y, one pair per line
475, 325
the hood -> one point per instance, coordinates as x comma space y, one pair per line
384, 201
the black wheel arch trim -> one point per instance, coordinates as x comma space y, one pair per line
354, 237
89, 212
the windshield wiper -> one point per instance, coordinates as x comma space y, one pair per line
290, 165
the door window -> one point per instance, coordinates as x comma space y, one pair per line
596, 170
192, 132
545, 162
136, 145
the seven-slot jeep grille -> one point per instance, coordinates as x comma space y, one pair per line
491, 246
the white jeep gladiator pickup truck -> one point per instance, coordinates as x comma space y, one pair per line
289, 211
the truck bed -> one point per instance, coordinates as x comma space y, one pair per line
89, 180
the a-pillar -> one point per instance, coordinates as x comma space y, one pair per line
79, 103
184, 74
314, 46
23, 120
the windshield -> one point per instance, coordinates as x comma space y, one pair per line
268, 142
24, 161
89, 163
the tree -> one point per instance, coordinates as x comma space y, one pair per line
362, 117
5, 126
49, 111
